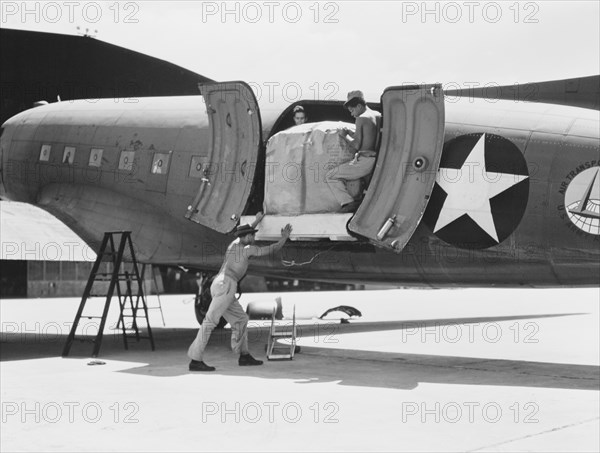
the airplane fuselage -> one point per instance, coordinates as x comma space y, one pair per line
515, 201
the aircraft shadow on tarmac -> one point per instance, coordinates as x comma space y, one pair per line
321, 365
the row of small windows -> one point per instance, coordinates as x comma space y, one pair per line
160, 161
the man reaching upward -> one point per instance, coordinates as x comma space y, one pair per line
223, 291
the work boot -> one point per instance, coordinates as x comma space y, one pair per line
248, 360
196, 365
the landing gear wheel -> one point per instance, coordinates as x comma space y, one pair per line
203, 299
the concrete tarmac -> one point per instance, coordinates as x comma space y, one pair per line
421, 370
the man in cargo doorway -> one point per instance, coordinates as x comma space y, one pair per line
363, 140
223, 291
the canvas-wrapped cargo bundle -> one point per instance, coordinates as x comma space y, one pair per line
297, 161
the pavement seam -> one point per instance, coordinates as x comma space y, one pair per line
537, 434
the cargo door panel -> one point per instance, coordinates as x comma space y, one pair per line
406, 168
235, 137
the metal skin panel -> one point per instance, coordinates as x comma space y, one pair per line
235, 138
90, 211
408, 160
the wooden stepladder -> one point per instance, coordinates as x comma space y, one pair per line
118, 277
281, 351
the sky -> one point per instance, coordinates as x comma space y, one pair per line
303, 50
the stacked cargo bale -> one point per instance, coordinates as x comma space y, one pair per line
297, 161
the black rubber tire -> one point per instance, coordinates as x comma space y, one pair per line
202, 302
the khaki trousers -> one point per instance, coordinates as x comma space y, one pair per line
223, 304
337, 176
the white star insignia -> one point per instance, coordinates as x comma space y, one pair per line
470, 189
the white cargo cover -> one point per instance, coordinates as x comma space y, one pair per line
297, 161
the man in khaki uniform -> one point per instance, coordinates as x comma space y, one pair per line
223, 291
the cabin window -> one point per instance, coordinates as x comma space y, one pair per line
126, 160
68, 155
160, 164
95, 157
45, 153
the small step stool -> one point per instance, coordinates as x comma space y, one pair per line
278, 351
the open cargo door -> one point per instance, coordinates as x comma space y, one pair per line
407, 165
235, 137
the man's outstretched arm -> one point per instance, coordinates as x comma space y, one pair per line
258, 219
264, 251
